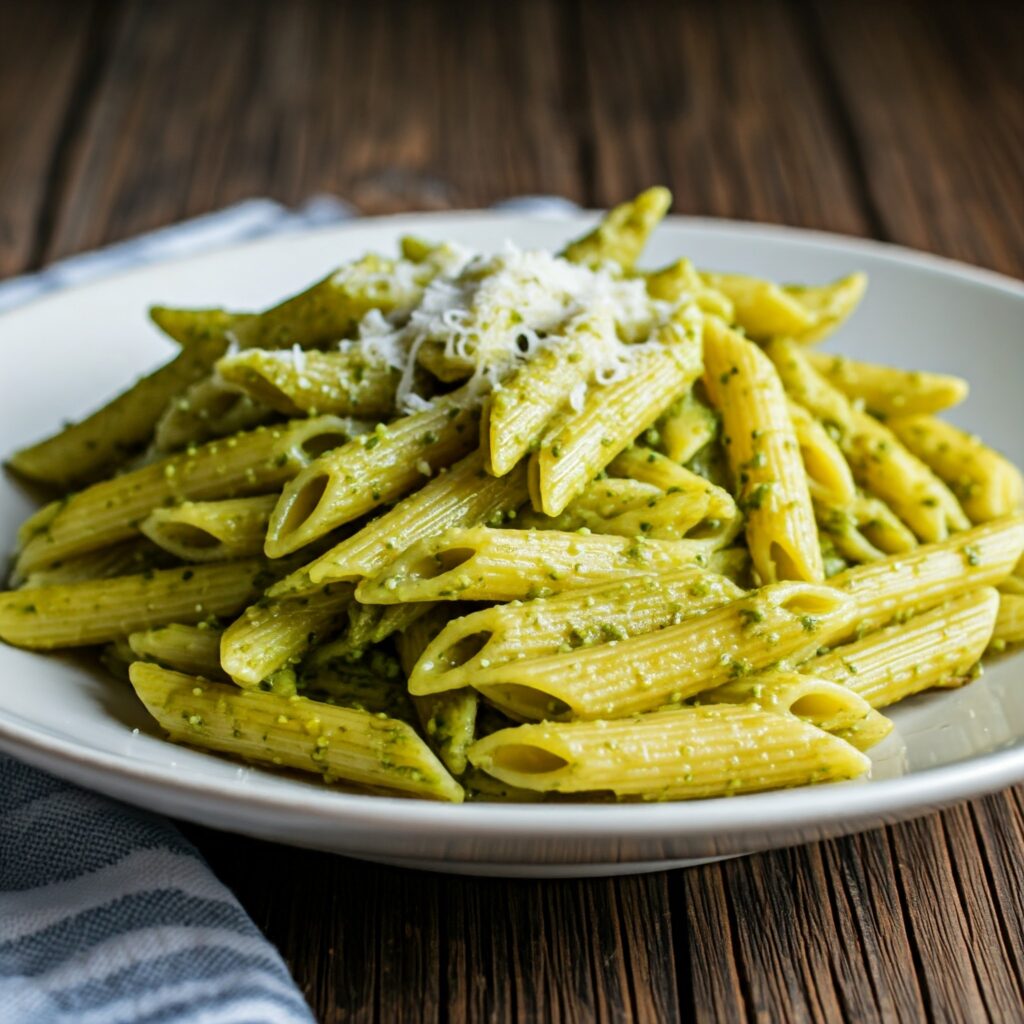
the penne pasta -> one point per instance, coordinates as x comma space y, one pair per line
208, 409
190, 327
672, 664
1009, 625
829, 479
987, 484
886, 391
623, 231
650, 546
880, 463
520, 408
829, 706
904, 584
335, 743
564, 622
765, 310
680, 281
764, 456
463, 496
276, 630
686, 427
296, 382
485, 564
448, 719
368, 473
97, 445
113, 510
578, 445
194, 650
211, 531
98, 611
685, 754
935, 648
651, 467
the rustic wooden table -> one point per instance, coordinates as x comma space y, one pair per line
898, 121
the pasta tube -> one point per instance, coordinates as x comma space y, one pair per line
764, 455
295, 382
904, 584
865, 530
936, 648
623, 232
765, 310
484, 564
251, 463
828, 475
125, 559
448, 719
651, 467
97, 611
886, 391
463, 496
194, 650
686, 427
689, 753
98, 444
880, 463
564, 622
829, 304
829, 706
368, 473
211, 531
578, 445
987, 484
514, 418
1009, 626
680, 281
276, 630
674, 663
630, 508
336, 743
207, 410
190, 327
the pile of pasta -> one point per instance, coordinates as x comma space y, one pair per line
523, 525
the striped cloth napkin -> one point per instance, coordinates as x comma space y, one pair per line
108, 915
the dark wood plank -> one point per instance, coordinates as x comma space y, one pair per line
363, 941
44, 61
935, 93
204, 104
721, 103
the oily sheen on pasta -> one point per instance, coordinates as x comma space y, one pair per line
526, 525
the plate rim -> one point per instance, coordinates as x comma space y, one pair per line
772, 811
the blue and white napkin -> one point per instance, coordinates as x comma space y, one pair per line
108, 915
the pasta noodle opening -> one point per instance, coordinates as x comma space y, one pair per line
811, 603
786, 566
316, 445
528, 759
302, 505
431, 566
818, 706
466, 648
220, 404
185, 536
525, 702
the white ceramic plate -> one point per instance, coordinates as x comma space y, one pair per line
62, 353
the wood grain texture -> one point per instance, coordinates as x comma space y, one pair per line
720, 102
45, 67
935, 99
901, 121
203, 104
